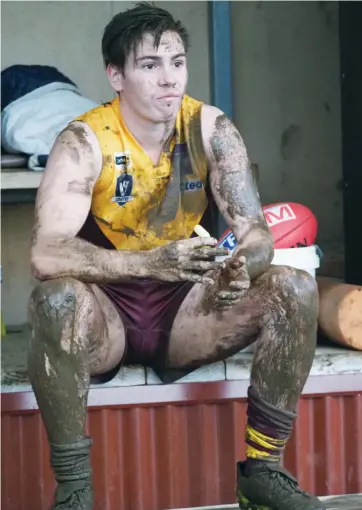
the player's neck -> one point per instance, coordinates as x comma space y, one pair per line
151, 136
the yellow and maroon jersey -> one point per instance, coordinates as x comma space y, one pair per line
139, 205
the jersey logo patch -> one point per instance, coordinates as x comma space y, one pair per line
124, 183
194, 185
122, 160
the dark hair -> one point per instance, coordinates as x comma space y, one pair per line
126, 30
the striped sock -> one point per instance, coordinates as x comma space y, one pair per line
260, 446
268, 429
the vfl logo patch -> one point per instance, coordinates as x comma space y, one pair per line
124, 184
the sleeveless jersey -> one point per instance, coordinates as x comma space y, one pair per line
139, 205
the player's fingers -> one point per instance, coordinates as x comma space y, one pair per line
242, 285
237, 263
201, 265
223, 306
198, 242
195, 278
228, 296
208, 253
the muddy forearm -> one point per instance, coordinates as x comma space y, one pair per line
76, 258
237, 197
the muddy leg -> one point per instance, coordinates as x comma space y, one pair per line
61, 321
280, 311
282, 363
287, 340
284, 355
67, 337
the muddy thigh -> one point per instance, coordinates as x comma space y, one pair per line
108, 345
199, 337
279, 309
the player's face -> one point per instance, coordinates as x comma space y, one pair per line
154, 79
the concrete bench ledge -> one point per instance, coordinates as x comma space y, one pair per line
328, 361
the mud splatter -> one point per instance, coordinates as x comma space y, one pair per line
80, 133
74, 155
108, 159
235, 181
128, 231
81, 187
237, 197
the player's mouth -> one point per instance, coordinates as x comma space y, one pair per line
169, 96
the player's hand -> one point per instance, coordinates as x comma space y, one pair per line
232, 284
186, 260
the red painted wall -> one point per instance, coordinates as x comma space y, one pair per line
159, 454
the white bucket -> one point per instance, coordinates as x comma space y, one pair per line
305, 258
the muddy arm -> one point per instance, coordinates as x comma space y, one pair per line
235, 190
62, 206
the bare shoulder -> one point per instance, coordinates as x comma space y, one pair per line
218, 132
76, 147
64, 197
209, 116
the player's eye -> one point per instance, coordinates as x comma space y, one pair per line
149, 66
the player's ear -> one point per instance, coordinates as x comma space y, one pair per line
115, 77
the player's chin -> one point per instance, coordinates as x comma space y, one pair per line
166, 118
168, 112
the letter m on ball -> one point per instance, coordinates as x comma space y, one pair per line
278, 214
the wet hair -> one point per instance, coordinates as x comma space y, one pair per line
127, 29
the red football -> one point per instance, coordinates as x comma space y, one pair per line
292, 225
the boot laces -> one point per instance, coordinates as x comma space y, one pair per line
287, 484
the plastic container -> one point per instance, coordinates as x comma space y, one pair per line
306, 258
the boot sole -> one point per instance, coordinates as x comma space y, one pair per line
244, 504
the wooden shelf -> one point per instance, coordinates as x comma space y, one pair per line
20, 178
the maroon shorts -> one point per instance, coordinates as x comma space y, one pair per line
147, 309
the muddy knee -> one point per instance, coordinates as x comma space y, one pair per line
296, 284
57, 309
294, 292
